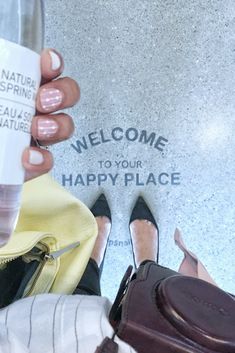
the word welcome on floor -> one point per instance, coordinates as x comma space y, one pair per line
118, 134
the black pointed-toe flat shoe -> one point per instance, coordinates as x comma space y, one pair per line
142, 211
101, 207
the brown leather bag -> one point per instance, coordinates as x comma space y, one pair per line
155, 313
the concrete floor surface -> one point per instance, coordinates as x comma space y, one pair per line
156, 118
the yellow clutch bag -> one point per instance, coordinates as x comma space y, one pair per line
51, 245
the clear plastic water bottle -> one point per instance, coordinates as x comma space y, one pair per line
21, 41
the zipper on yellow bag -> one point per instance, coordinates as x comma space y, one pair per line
45, 258
47, 255
55, 254
42, 254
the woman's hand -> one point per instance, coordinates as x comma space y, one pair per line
49, 128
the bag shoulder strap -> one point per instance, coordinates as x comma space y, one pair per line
115, 310
107, 346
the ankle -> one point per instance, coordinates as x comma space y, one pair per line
144, 237
104, 227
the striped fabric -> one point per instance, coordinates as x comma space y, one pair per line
51, 323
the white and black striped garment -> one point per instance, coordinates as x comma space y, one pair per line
50, 323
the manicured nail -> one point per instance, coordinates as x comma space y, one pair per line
55, 60
47, 128
35, 157
50, 98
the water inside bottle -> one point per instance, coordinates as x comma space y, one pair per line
21, 22
9, 210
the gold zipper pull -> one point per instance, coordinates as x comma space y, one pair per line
55, 254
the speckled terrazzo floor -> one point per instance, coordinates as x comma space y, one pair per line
156, 117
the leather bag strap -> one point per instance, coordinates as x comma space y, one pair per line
107, 346
119, 297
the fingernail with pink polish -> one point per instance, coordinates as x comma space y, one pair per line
50, 98
35, 157
47, 128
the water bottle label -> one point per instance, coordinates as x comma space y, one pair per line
19, 81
